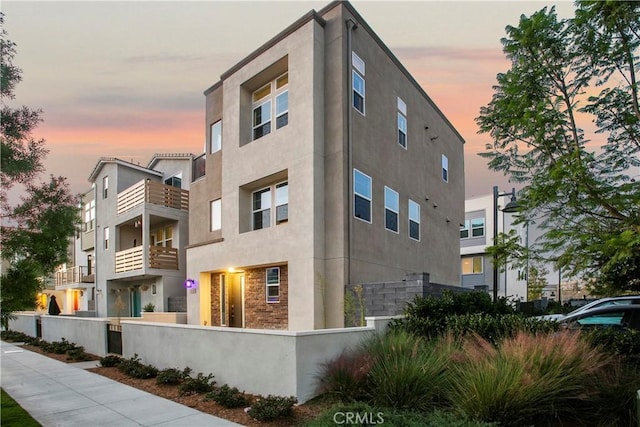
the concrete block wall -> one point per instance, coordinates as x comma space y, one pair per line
25, 322
91, 333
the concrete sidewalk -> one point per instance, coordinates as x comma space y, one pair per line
64, 394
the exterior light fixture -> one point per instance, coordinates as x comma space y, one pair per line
190, 284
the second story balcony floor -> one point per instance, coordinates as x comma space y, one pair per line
74, 277
147, 191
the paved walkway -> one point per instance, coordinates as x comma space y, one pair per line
65, 394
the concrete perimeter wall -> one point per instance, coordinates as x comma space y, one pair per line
91, 333
284, 363
25, 322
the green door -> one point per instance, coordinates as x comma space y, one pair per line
136, 304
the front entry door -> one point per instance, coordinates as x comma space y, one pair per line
136, 303
236, 300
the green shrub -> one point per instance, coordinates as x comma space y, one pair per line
135, 369
172, 376
14, 336
110, 361
57, 347
77, 354
272, 407
625, 343
527, 378
200, 384
228, 397
406, 372
345, 377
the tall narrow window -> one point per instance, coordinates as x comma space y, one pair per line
273, 284
402, 123
216, 215
282, 202
414, 220
271, 100
106, 238
105, 187
362, 196
445, 168
391, 209
89, 215
262, 209
216, 136
358, 82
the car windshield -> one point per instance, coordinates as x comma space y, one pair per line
600, 303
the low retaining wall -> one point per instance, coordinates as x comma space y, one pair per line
25, 322
91, 333
284, 363
164, 317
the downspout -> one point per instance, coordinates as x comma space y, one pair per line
351, 25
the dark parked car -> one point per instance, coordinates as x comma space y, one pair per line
613, 316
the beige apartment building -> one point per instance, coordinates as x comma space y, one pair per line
326, 165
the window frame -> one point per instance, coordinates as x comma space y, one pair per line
402, 120
215, 208
473, 271
284, 184
105, 187
216, 144
368, 198
466, 226
105, 236
89, 215
358, 70
153, 237
445, 168
254, 210
473, 228
272, 299
388, 207
417, 221
277, 90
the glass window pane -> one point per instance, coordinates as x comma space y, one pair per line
282, 81
391, 199
402, 123
414, 230
216, 215
282, 103
358, 83
467, 266
402, 106
362, 208
357, 62
282, 194
391, 220
273, 275
477, 264
265, 199
414, 211
262, 113
216, 137
262, 92
362, 184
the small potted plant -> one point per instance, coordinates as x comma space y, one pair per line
149, 308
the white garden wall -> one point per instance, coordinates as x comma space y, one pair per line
25, 322
89, 332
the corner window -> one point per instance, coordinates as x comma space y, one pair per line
105, 187
472, 265
273, 284
274, 95
216, 215
361, 196
216, 136
174, 181
414, 220
391, 209
445, 168
358, 82
402, 123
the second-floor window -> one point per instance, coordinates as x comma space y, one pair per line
445, 168
106, 238
216, 136
262, 200
414, 220
270, 101
472, 265
361, 196
391, 209
216, 215
162, 237
472, 228
89, 215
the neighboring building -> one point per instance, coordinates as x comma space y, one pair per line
141, 231
75, 280
326, 164
476, 235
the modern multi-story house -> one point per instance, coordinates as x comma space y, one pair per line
141, 230
326, 165
75, 280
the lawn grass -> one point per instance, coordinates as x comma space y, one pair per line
13, 414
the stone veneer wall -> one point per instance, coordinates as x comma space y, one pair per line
215, 300
259, 314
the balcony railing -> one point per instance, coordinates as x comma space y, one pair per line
159, 257
77, 274
155, 193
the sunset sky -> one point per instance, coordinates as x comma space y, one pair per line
126, 79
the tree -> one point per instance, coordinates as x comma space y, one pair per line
565, 74
35, 232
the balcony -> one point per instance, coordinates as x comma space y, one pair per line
155, 193
73, 278
159, 257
